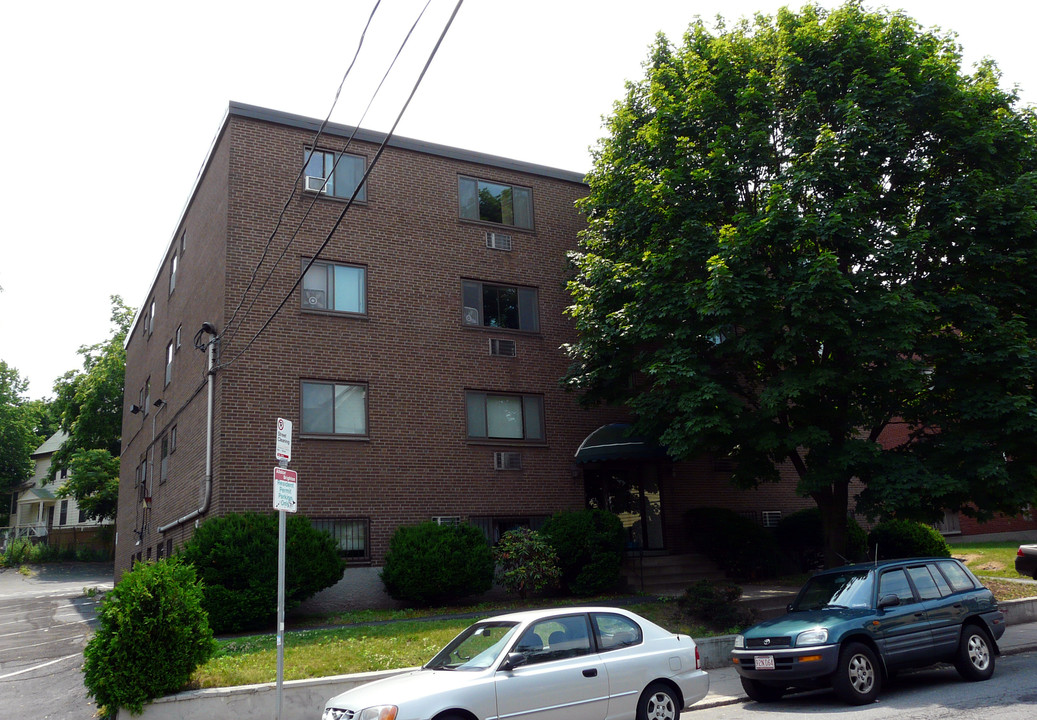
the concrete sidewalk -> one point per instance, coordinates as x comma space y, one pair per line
725, 688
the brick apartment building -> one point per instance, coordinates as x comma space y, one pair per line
418, 358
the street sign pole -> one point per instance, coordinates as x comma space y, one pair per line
281, 524
284, 497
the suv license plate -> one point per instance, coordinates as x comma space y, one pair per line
764, 662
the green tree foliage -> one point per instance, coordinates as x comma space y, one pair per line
153, 633
806, 229
430, 564
89, 405
526, 562
590, 545
236, 558
18, 439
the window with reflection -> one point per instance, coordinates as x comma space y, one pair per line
495, 202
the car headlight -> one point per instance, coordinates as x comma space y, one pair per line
378, 712
740, 641
818, 636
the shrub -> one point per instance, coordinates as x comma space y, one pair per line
907, 538
714, 603
430, 564
526, 562
236, 557
589, 544
152, 634
801, 537
741, 548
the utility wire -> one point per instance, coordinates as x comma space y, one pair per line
284, 209
316, 196
352, 198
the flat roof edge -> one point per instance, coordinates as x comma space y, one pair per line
305, 123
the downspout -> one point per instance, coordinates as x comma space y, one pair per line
207, 487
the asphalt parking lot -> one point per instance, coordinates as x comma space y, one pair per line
45, 620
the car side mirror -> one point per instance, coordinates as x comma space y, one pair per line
891, 600
788, 608
514, 660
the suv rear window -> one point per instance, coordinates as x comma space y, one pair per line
956, 576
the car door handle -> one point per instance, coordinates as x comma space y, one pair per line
920, 615
590, 672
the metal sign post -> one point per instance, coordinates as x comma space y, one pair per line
285, 500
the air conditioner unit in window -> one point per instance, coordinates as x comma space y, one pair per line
446, 519
316, 184
498, 241
503, 348
771, 518
507, 461
314, 298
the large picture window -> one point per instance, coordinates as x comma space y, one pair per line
495, 202
334, 408
342, 177
505, 417
341, 288
500, 306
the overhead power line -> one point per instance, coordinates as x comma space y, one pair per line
352, 198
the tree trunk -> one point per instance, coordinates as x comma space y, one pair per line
833, 502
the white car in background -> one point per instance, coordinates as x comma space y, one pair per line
553, 664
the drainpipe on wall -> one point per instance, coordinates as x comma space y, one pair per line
210, 329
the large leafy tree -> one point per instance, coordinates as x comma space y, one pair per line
807, 231
18, 438
89, 404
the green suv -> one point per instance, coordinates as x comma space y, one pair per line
852, 627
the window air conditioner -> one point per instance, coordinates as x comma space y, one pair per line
507, 461
503, 348
498, 241
316, 184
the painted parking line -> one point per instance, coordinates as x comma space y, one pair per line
38, 667
41, 644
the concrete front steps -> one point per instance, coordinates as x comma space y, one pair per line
670, 575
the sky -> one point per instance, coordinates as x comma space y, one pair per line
110, 107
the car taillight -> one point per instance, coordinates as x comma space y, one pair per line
698, 659
1019, 552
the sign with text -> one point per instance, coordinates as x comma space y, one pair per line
284, 440
286, 485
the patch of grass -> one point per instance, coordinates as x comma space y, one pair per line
1004, 590
25, 570
988, 559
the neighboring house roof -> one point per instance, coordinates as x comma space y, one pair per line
36, 493
51, 445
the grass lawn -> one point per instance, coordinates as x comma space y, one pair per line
989, 559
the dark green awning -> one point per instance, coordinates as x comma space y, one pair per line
614, 442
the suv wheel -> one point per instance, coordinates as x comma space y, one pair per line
857, 679
975, 659
761, 692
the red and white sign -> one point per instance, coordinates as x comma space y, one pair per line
284, 440
286, 485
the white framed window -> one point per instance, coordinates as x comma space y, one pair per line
339, 288
494, 202
500, 306
334, 174
169, 363
173, 263
63, 514
499, 416
334, 408
179, 335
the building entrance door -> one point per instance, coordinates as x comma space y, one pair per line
630, 491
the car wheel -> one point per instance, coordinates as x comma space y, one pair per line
975, 659
857, 679
658, 702
761, 692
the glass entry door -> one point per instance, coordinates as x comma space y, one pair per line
630, 491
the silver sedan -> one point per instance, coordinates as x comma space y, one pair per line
552, 664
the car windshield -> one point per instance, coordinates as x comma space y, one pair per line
851, 589
474, 649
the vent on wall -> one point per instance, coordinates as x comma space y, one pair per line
771, 518
507, 461
503, 348
446, 519
498, 241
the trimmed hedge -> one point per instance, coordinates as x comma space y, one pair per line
153, 633
431, 564
590, 545
743, 549
236, 557
907, 538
